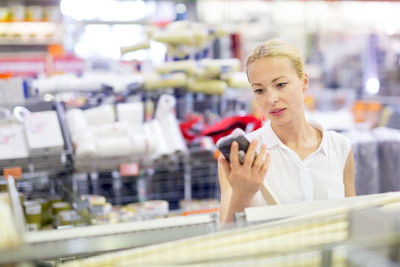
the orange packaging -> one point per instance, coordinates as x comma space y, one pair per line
15, 172
367, 111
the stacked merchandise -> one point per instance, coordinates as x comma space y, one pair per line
188, 46
208, 76
390, 117
30, 24
97, 135
389, 160
184, 39
104, 147
88, 82
33, 139
365, 151
108, 136
376, 160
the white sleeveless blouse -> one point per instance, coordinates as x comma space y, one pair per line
317, 177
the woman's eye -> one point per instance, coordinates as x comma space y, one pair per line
258, 91
281, 85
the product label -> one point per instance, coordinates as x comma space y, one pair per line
129, 169
32, 227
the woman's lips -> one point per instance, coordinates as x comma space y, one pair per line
277, 112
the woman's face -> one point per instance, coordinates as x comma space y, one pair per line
277, 88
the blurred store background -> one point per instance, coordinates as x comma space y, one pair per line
110, 109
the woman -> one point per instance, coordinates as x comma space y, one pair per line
304, 162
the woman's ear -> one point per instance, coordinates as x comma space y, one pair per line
305, 82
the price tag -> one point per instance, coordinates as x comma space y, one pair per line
129, 169
15, 172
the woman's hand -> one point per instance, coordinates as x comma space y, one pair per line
246, 179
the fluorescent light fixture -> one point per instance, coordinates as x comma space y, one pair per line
180, 8
372, 86
105, 10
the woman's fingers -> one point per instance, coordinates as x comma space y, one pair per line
234, 155
225, 165
249, 158
259, 160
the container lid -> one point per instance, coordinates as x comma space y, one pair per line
60, 205
32, 208
40, 200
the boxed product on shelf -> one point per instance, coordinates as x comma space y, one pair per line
12, 142
43, 133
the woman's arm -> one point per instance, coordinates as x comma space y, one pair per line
226, 191
348, 176
240, 182
229, 204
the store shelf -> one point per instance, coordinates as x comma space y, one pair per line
113, 22
35, 33
339, 237
27, 42
101, 238
330, 206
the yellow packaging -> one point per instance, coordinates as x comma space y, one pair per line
68, 217
33, 214
46, 212
60, 206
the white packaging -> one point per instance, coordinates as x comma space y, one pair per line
82, 135
43, 133
151, 138
165, 114
172, 133
86, 149
114, 147
139, 143
115, 129
12, 142
100, 115
131, 112
162, 148
76, 120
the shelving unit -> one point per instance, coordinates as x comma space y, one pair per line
30, 35
85, 241
50, 163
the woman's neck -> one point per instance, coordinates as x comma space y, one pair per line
296, 133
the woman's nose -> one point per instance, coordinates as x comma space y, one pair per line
272, 97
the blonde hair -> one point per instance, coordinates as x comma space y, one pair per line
277, 48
